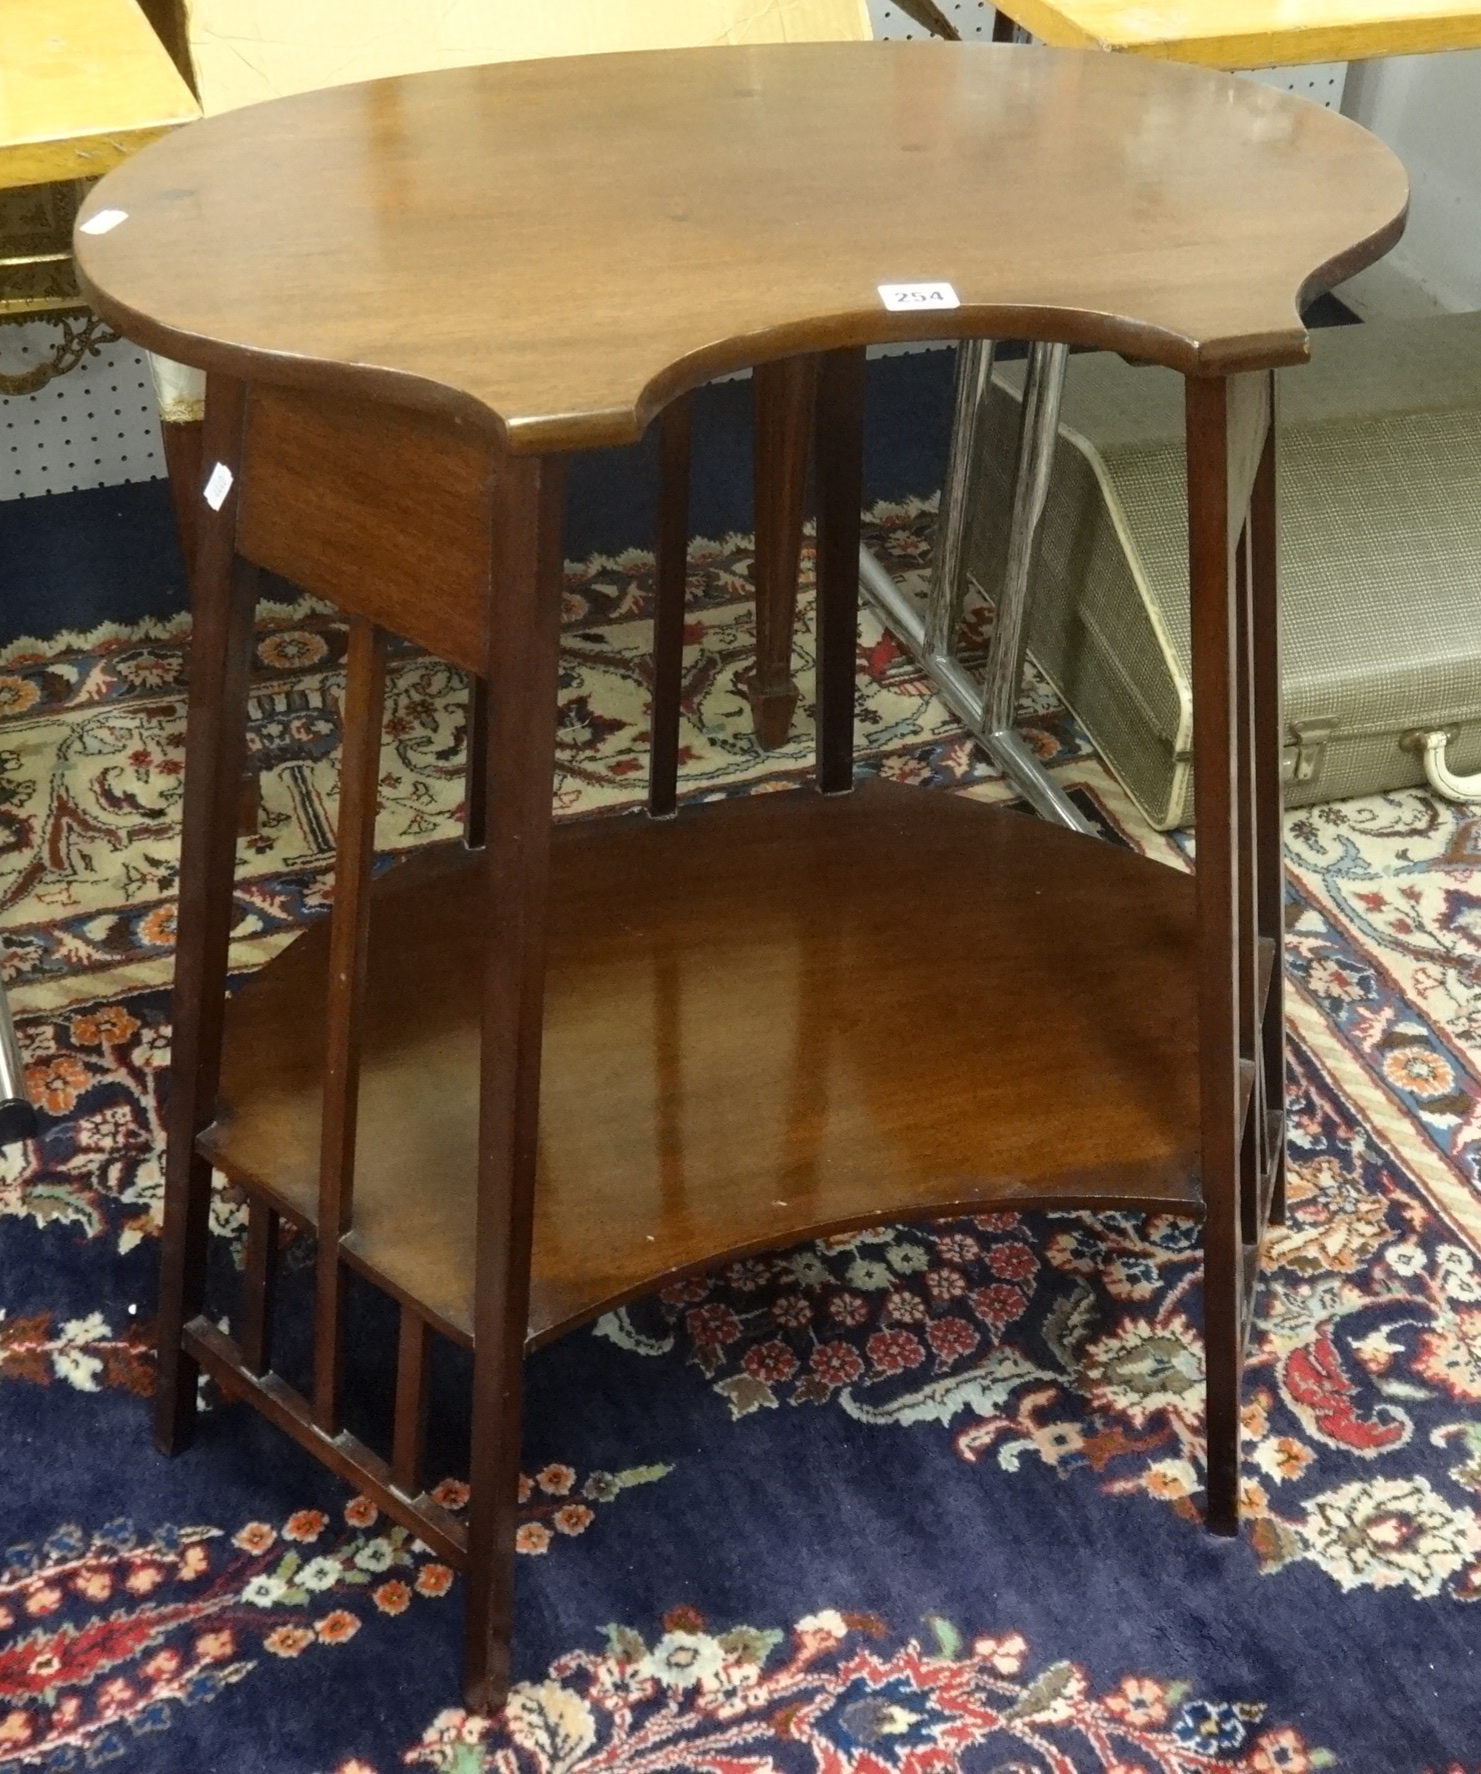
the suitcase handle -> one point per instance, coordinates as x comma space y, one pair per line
1442, 779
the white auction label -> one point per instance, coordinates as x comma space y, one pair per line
912, 298
103, 222
218, 486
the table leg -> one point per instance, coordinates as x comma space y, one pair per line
784, 393
216, 753
362, 722
1228, 424
522, 673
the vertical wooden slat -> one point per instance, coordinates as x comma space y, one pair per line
783, 393
409, 1433
1214, 767
225, 600
1269, 838
474, 777
1251, 1141
523, 669
670, 585
259, 1286
840, 478
349, 930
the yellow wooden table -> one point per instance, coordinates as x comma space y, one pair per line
1254, 33
83, 83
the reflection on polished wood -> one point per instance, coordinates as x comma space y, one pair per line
1255, 33
776, 1017
1162, 211
83, 83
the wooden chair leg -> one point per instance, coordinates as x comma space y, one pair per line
523, 668
668, 612
784, 394
840, 477
216, 734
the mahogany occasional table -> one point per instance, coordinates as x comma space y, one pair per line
779, 1015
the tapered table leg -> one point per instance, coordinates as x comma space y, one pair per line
216, 753
1228, 427
523, 667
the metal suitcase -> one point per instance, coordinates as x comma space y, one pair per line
1380, 555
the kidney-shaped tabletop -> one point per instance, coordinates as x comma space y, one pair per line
554, 249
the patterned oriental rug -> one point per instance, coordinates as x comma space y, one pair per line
919, 1499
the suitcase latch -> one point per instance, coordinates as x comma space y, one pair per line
1301, 760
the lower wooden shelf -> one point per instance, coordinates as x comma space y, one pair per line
773, 1018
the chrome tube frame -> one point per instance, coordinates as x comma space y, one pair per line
987, 712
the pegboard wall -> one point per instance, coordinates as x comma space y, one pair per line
96, 427
971, 17
1322, 82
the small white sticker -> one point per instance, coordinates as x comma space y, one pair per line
218, 486
912, 298
103, 222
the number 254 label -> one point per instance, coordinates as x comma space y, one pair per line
908, 298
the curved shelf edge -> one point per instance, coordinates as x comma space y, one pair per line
777, 1018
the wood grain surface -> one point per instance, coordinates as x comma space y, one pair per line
769, 1018
553, 250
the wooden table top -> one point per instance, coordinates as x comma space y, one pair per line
553, 250
1255, 33
83, 83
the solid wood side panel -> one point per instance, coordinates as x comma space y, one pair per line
383, 510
